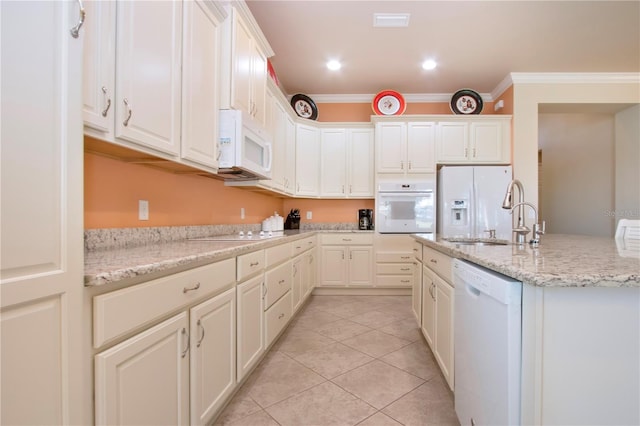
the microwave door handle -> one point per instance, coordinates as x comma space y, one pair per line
270, 156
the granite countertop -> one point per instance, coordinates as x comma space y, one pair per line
139, 263
560, 260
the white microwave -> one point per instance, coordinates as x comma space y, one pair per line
244, 147
406, 207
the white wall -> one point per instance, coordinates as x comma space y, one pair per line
627, 158
578, 169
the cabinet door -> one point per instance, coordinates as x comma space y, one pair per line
278, 119
334, 266
333, 163
311, 274
360, 163
241, 54
290, 166
391, 142
360, 266
416, 292
41, 254
213, 355
297, 291
452, 142
444, 328
99, 65
307, 164
145, 379
148, 81
200, 82
486, 142
250, 324
428, 307
421, 150
258, 84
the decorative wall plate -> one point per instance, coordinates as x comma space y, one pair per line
466, 101
389, 102
304, 106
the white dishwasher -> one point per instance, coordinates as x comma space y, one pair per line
487, 356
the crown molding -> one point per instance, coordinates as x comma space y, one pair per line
574, 77
241, 7
502, 87
409, 97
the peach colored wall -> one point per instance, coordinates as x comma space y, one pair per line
112, 189
327, 211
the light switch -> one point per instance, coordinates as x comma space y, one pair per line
309, 215
143, 210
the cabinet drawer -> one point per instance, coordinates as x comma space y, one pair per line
249, 264
278, 282
121, 311
302, 245
349, 239
437, 262
277, 254
394, 268
394, 281
276, 318
394, 257
417, 250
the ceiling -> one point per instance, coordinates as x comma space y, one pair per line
476, 43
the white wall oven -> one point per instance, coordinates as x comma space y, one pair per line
406, 207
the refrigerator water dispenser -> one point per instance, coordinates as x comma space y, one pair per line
459, 213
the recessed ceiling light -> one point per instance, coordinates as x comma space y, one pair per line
391, 20
429, 64
334, 65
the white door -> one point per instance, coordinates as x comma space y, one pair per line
360, 163
391, 143
444, 328
334, 266
41, 254
428, 325
250, 336
360, 266
200, 84
333, 163
421, 150
148, 81
145, 379
452, 142
213, 355
307, 164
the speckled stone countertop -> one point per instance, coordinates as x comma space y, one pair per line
154, 259
560, 260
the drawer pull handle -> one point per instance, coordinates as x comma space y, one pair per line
188, 289
405, 257
201, 328
309, 242
186, 349
433, 261
298, 247
281, 282
346, 239
415, 249
254, 264
280, 316
405, 269
405, 281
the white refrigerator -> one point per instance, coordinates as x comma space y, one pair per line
470, 201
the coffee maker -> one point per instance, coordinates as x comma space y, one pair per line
365, 219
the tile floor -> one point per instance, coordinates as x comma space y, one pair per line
346, 360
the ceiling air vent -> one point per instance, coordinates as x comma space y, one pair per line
391, 20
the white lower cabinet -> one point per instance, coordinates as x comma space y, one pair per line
347, 260
250, 325
428, 324
145, 379
276, 318
297, 290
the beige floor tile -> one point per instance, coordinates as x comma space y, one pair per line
376, 319
299, 340
349, 310
261, 418
376, 343
333, 360
342, 329
377, 383
379, 419
430, 404
416, 359
325, 404
240, 406
405, 329
314, 319
279, 380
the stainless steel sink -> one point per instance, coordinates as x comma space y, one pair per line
477, 242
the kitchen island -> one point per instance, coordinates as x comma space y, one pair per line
580, 325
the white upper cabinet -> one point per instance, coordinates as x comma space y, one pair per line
307, 160
405, 147
421, 147
244, 66
346, 163
148, 79
474, 140
200, 83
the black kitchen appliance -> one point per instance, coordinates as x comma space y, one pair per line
293, 220
365, 219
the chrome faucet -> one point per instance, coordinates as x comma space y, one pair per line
537, 228
520, 229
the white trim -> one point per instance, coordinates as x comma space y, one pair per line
245, 12
410, 97
577, 78
502, 87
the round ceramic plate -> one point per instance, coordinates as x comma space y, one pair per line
466, 101
304, 106
389, 102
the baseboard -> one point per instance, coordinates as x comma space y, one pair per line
367, 291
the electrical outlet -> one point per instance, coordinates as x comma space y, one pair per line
143, 210
241, 212
309, 215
